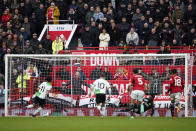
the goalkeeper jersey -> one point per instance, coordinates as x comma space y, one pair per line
43, 88
100, 86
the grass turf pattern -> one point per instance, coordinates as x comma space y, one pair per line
97, 124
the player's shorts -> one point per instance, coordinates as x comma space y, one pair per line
137, 95
100, 98
39, 101
175, 97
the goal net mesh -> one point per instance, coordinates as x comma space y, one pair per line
73, 75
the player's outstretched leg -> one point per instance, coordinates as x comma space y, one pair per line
29, 106
37, 111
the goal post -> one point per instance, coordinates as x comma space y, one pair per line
69, 96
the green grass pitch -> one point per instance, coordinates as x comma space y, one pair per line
96, 124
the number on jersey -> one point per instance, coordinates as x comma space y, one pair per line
140, 82
178, 82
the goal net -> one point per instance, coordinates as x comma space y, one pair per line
72, 75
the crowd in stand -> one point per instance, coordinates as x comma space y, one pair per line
102, 23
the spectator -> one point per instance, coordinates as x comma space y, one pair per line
73, 5
53, 13
5, 17
89, 15
16, 17
107, 73
32, 70
154, 38
190, 35
27, 27
144, 33
104, 38
63, 74
163, 50
114, 34
40, 50
14, 5
129, 13
98, 15
136, 16
82, 75
166, 72
34, 42
40, 17
28, 49
132, 37
178, 13
27, 8
77, 83
25, 81
72, 15
95, 74
121, 74
124, 28
57, 45
83, 12
155, 83
47, 44
86, 37
23, 33
178, 34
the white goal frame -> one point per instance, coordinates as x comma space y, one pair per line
184, 55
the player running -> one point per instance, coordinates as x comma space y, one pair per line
40, 96
99, 87
137, 87
147, 104
176, 88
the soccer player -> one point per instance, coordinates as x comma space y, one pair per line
176, 88
99, 87
147, 104
137, 87
40, 96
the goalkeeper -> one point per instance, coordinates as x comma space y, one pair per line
40, 96
147, 104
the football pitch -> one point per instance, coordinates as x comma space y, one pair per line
96, 124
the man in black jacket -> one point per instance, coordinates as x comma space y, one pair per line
77, 83
86, 37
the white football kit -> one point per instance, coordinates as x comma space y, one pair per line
100, 86
43, 88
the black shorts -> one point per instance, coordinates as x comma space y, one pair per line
39, 101
100, 98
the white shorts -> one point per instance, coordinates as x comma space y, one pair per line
175, 97
137, 95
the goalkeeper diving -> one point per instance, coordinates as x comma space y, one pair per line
146, 104
99, 88
40, 96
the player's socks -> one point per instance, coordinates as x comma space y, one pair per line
37, 111
131, 109
102, 111
142, 108
29, 106
172, 109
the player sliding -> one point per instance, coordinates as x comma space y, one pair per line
40, 96
147, 104
137, 87
99, 87
176, 88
